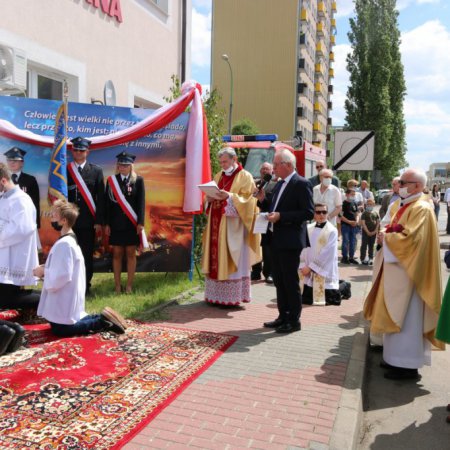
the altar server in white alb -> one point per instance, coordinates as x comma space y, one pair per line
18, 245
319, 262
63, 291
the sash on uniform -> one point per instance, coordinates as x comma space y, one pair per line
126, 208
81, 185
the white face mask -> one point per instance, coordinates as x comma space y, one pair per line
403, 192
326, 181
229, 171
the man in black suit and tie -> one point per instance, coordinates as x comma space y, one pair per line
86, 188
28, 184
290, 208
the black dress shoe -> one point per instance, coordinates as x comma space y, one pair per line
269, 280
385, 365
6, 336
18, 339
401, 373
274, 324
288, 328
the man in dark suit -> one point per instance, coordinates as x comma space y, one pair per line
390, 198
28, 184
290, 208
265, 266
83, 176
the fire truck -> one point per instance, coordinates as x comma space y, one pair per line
262, 148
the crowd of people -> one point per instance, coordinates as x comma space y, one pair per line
296, 249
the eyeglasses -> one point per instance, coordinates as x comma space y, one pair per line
320, 212
403, 182
319, 167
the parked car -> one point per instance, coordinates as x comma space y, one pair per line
380, 194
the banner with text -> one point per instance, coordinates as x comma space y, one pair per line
160, 160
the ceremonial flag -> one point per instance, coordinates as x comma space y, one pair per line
57, 176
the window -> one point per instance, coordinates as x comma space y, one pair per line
44, 84
162, 4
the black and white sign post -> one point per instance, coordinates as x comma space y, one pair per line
354, 150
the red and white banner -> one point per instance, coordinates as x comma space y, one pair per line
81, 186
126, 208
198, 169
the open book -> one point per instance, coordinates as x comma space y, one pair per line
210, 189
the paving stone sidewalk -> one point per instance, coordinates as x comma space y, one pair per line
269, 391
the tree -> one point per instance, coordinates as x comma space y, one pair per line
216, 127
244, 127
377, 85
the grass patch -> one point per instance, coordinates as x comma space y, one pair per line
149, 290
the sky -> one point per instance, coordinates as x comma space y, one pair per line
425, 44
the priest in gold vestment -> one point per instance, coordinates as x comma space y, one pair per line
229, 246
405, 299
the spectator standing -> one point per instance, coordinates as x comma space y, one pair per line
328, 194
365, 192
370, 224
436, 197
447, 203
349, 227
315, 180
359, 199
388, 199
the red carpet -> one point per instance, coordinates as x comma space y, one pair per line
97, 392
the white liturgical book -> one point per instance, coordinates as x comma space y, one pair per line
210, 189
261, 224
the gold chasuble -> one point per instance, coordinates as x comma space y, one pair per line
234, 232
412, 237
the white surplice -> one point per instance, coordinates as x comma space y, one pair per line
18, 244
408, 348
320, 257
63, 290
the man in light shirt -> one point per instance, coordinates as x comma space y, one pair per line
328, 194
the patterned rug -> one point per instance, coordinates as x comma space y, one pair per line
97, 392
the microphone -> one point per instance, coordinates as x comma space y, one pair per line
265, 180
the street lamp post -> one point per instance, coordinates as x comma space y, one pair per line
227, 60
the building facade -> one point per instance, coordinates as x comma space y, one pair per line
439, 173
280, 56
136, 44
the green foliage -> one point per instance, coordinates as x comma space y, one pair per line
216, 128
244, 127
377, 86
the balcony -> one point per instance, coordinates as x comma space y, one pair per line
319, 48
316, 143
302, 39
332, 39
331, 73
316, 126
329, 121
304, 14
317, 107
331, 56
301, 88
333, 23
333, 7
318, 88
330, 89
321, 9
319, 67
320, 28
299, 111
330, 105
301, 63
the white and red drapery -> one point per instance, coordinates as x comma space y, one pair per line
198, 169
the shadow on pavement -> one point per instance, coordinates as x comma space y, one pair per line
380, 393
431, 435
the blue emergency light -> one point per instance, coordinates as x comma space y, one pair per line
252, 138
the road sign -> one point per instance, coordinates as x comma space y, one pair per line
354, 150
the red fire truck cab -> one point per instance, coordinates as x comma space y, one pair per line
262, 147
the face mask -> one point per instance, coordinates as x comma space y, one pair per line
56, 226
369, 208
326, 181
229, 171
403, 192
351, 199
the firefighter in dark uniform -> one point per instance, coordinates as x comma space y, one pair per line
88, 224
15, 160
123, 234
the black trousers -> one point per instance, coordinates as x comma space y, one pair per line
367, 243
285, 276
86, 241
265, 266
12, 296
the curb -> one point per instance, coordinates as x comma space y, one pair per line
173, 301
345, 434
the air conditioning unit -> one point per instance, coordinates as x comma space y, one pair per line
13, 69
